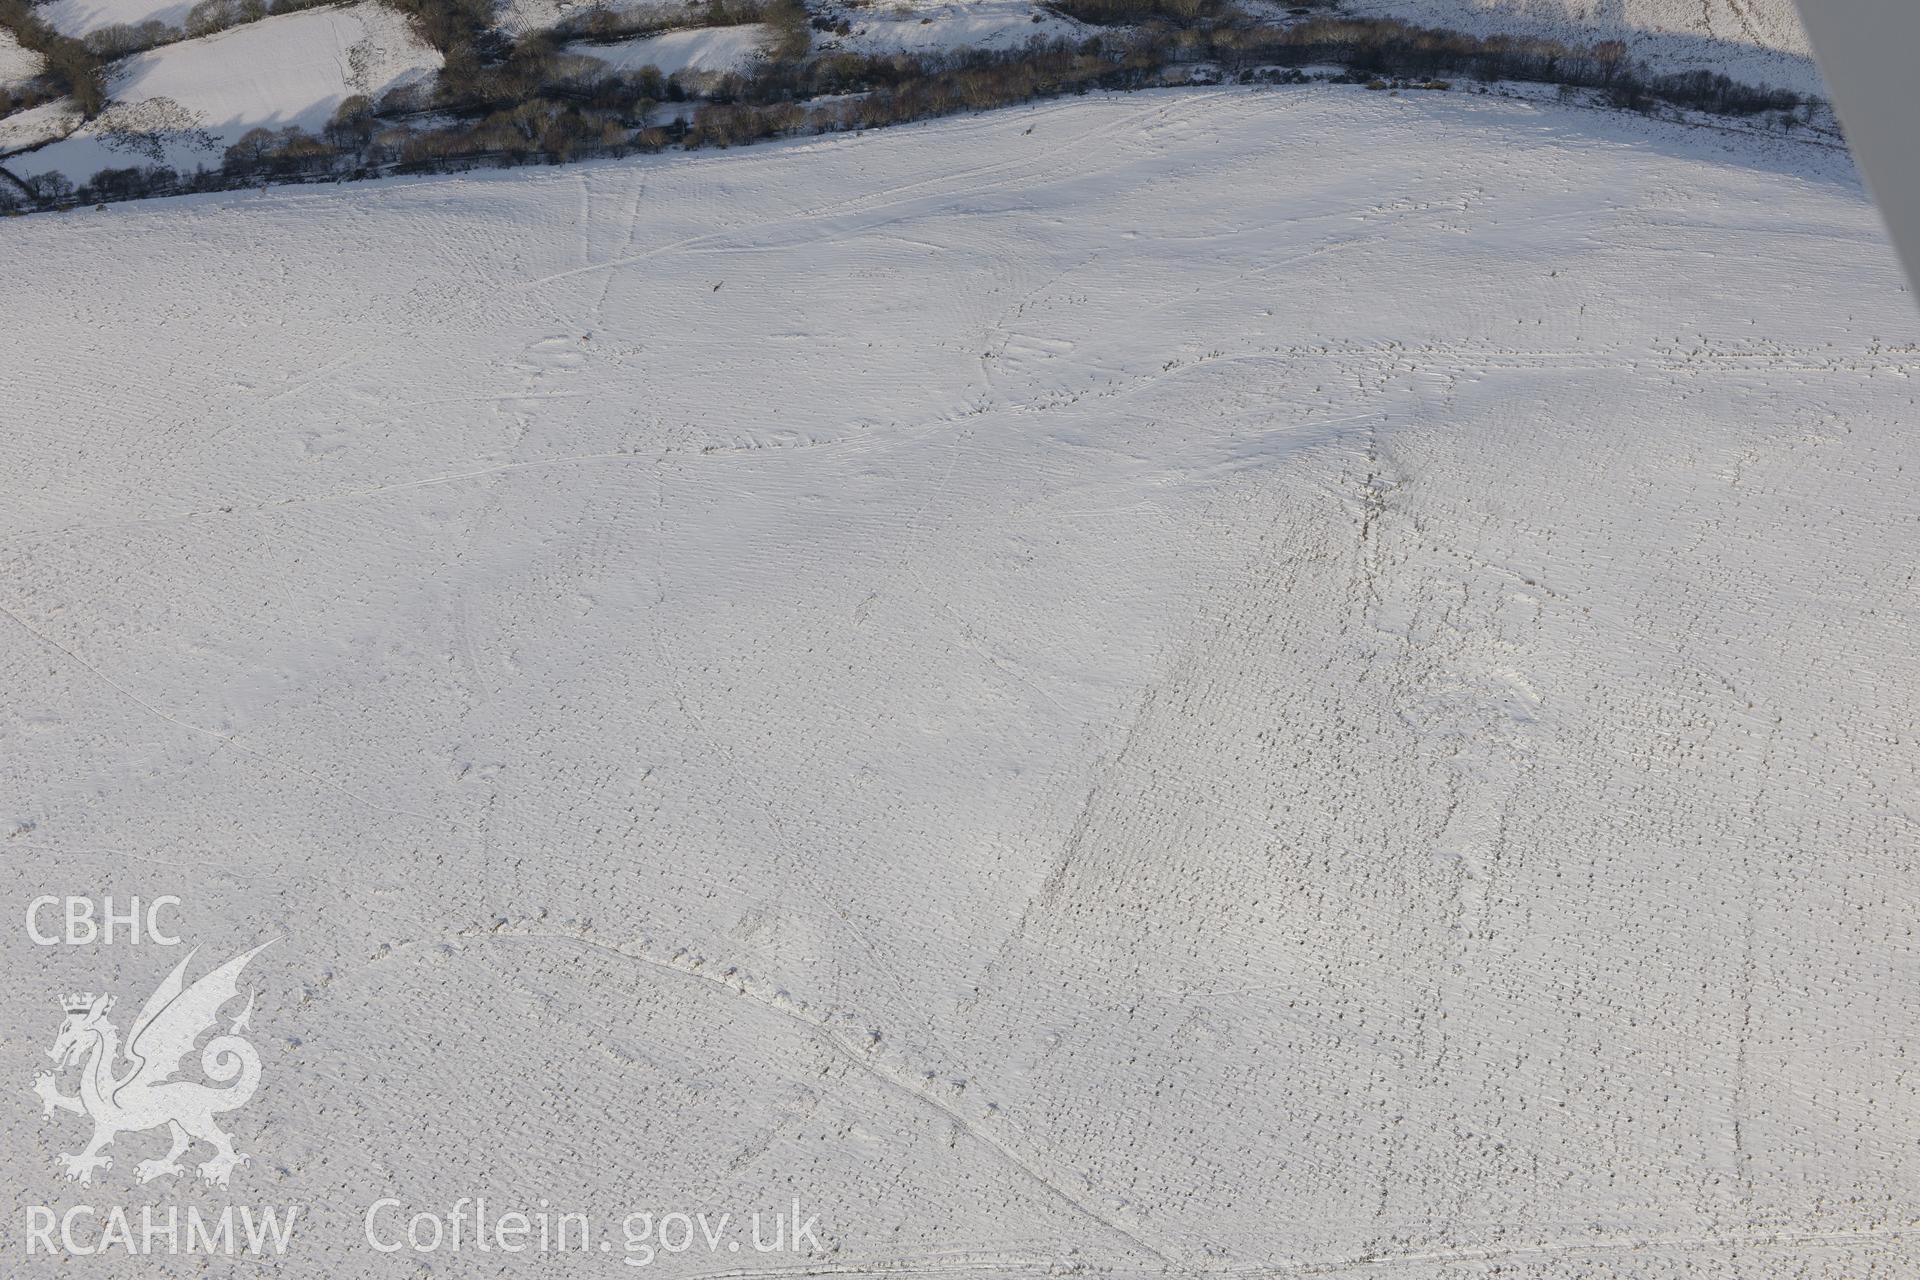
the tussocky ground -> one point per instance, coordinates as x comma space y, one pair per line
1198, 683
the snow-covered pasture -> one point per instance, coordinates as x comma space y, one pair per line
932, 26
1230, 683
80, 17
702, 49
17, 65
521, 17
184, 104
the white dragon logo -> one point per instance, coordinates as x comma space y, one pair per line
145, 1095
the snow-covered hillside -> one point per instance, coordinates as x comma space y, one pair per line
79, 17
1758, 41
1200, 683
17, 65
37, 125
184, 104
937, 25
714, 49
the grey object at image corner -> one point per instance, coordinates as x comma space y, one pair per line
1865, 49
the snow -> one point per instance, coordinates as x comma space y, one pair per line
184, 104
943, 25
78, 17
37, 125
710, 49
1288, 681
519, 17
1757, 41
17, 65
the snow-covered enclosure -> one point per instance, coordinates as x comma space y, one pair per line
1758, 41
38, 125
78, 17
184, 104
519, 17
17, 65
712, 49
939, 25
1235, 683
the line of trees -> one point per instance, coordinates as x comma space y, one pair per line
1389, 47
532, 103
1108, 13
210, 16
605, 25
485, 74
463, 32
72, 68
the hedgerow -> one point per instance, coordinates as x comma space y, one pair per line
72, 68
531, 102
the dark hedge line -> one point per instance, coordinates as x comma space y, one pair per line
1107, 13
72, 68
531, 104
1393, 48
484, 72
617, 24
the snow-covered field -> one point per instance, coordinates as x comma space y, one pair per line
936, 25
37, 125
1758, 41
713, 49
1201, 683
17, 65
519, 17
78, 17
185, 104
